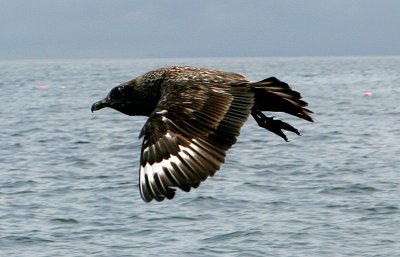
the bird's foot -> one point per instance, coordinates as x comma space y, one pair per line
275, 126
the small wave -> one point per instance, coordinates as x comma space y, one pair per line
232, 235
204, 198
65, 220
351, 189
79, 142
25, 239
383, 209
168, 218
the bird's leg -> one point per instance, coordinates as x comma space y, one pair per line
275, 126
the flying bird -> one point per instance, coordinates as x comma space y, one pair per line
195, 116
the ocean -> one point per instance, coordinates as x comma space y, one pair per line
69, 178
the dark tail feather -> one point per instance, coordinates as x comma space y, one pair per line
274, 95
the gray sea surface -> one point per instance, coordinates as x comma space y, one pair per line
69, 178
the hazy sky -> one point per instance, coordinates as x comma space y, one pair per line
197, 28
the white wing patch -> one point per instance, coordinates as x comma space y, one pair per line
148, 184
162, 112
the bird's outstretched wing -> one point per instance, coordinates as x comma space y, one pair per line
187, 136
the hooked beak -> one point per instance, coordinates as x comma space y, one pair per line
101, 104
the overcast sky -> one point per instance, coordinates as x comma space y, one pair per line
197, 28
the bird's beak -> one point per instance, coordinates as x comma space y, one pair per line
101, 104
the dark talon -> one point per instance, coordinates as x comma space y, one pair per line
275, 126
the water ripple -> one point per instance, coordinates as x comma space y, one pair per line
69, 182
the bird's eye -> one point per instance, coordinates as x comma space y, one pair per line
120, 88
115, 93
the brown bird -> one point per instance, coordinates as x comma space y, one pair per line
195, 116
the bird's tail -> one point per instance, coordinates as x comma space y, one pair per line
274, 95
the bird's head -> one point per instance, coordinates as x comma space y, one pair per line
130, 98
119, 98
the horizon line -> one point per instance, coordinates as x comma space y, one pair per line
197, 57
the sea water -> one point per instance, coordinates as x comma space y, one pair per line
69, 178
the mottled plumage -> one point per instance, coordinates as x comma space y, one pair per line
195, 116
